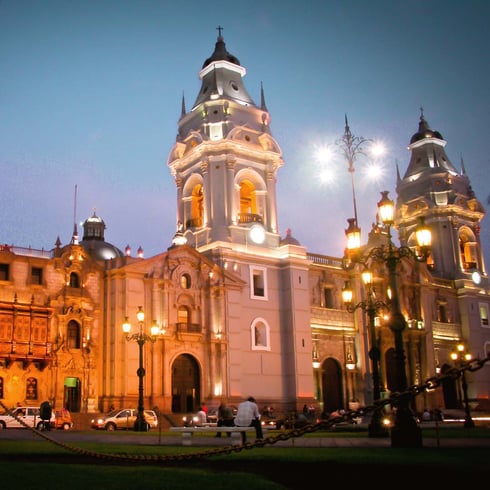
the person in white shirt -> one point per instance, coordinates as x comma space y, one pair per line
201, 417
248, 415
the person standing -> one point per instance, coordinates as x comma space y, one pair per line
45, 412
248, 415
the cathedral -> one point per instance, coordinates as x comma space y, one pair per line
232, 308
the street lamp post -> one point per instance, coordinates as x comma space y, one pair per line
352, 146
371, 306
461, 358
141, 338
405, 431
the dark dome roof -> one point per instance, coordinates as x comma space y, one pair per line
289, 239
101, 250
220, 53
94, 242
425, 132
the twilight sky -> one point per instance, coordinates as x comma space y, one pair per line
90, 96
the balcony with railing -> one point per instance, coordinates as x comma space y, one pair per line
188, 331
325, 260
331, 318
27, 353
27, 251
249, 218
446, 330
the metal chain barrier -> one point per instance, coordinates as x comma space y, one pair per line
348, 416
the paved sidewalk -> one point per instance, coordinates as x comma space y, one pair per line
130, 437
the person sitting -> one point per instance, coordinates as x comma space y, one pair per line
201, 418
225, 417
248, 416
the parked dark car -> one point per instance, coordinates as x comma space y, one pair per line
292, 420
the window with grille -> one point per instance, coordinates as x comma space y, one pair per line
31, 389
258, 282
328, 297
483, 314
73, 335
36, 275
4, 272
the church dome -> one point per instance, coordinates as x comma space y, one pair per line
425, 131
221, 54
93, 240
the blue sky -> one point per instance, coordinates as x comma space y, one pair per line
90, 95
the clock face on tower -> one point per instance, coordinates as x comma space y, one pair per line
257, 234
476, 277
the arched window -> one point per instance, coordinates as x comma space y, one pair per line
468, 249
1, 387
248, 203
260, 335
31, 389
74, 280
73, 335
197, 206
185, 281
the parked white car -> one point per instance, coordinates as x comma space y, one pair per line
22, 416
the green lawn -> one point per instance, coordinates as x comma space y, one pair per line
40, 464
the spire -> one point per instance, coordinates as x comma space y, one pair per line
220, 52
463, 169
262, 98
423, 124
398, 178
347, 129
183, 111
425, 131
74, 238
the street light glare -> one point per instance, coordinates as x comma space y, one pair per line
323, 154
327, 175
374, 171
378, 149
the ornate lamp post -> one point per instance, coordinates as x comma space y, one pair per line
371, 306
141, 338
351, 147
461, 358
405, 432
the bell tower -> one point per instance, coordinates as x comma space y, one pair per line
225, 162
433, 190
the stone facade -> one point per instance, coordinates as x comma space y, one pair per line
241, 310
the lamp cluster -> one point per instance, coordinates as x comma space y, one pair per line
141, 337
461, 357
405, 432
155, 329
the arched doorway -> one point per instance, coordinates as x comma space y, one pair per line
186, 392
332, 385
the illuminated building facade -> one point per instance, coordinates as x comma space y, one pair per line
241, 309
